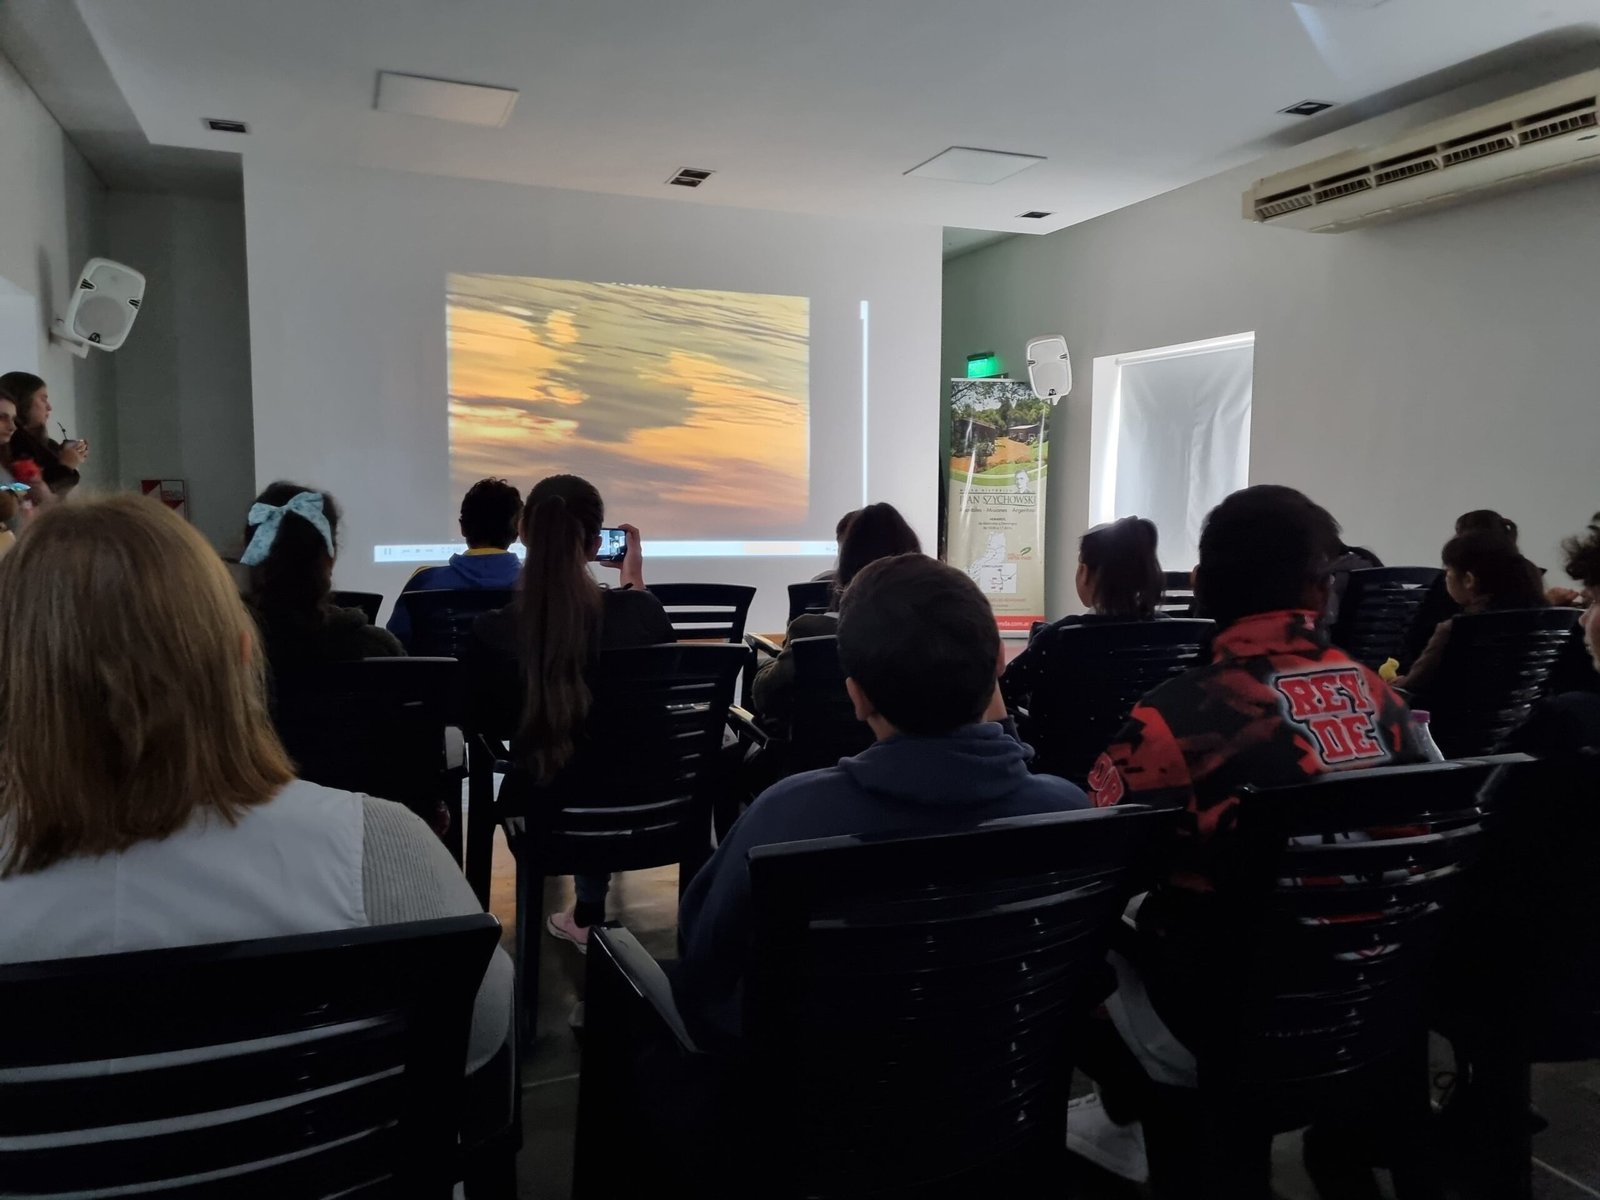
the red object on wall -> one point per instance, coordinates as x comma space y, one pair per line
174, 493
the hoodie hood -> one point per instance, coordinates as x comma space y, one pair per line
497, 570
977, 764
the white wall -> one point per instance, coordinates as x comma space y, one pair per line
183, 377
51, 221
1403, 374
347, 277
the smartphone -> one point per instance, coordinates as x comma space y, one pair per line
613, 545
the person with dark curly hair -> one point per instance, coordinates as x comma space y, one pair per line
1570, 722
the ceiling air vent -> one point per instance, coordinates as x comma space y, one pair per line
217, 125
1033, 215
1306, 108
1544, 133
690, 177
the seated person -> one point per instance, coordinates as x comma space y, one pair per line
151, 803
1277, 703
839, 530
51, 463
542, 646
919, 644
1484, 572
490, 513
1562, 725
877, 531
292, 535
1119, 579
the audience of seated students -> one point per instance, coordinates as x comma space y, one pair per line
919, 645
1565, 724
1119, 579
561, 620
1483, 572
57, 462
292, 537
151, 803
1249, 717
491, 511
839, 530
876, 531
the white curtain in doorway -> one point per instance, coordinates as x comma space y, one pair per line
1183, 442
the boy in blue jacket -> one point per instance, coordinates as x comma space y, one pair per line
920, 648
490, 512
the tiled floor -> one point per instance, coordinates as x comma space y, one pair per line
1567, 1154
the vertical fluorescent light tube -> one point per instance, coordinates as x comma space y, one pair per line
1108, 477
866, 327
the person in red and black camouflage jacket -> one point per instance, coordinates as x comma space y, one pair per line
1276, 704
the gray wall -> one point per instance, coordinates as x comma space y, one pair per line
1403, 374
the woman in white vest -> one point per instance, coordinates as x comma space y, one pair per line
147, 801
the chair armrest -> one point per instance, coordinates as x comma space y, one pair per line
743, 722
643, 976
762, 645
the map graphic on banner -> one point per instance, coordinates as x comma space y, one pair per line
999, 462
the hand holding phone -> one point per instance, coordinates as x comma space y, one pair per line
613, 546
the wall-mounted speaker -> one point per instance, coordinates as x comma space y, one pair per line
103, 307
1049, 367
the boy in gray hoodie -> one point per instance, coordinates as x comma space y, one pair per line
920, 648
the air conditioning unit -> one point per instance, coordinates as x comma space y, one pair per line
1524, 139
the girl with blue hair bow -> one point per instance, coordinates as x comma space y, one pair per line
291, 541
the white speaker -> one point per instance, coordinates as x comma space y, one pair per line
103, 306
1049, 367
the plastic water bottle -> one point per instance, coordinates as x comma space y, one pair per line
1424, 736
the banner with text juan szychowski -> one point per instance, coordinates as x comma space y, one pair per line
998, 463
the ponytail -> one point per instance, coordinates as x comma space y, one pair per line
558, 612
1121, 557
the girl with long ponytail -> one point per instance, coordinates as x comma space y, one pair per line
561, 620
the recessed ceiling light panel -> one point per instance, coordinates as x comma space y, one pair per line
963, 164
444, 99
1306, 108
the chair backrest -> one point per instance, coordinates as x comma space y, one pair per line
705, 612
813, 596
313, 1065
909, 1000
373, 725
823, 727
638, 791
442, 618
1328, 925
1177, 597
1377, 610
1090, 678
1494, 668
367, 602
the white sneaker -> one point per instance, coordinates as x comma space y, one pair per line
1091, 1134
561, 925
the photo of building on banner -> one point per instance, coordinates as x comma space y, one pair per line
998, 467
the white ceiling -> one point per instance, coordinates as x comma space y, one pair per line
813, 106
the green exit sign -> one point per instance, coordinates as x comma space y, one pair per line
983, 366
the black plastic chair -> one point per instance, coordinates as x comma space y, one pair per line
1303, 998
1091, 676
1377, 610
637, 794
1495, 667
442, 618
813, 596
705, 612
1177, 599
374, 725
908, 1007
367, 602
822, 726
294, 1067
1520, 983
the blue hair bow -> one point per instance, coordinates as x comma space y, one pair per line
267, 518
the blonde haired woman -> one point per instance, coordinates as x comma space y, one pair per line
150, 803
